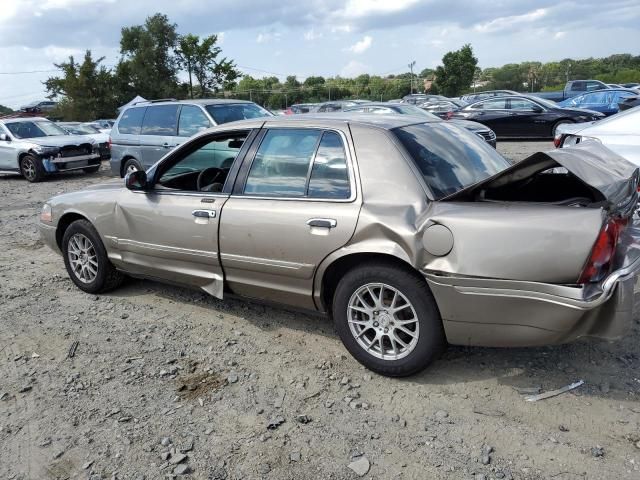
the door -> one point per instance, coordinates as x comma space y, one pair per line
527, 119
8, 153
158, 133
295, 203
170, 231
493, 113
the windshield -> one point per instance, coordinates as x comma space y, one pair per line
81, 129
449, 157
413, 110
35, 129
225, 113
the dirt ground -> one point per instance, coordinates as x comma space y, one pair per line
153, 380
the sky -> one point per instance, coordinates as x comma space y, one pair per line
316, 37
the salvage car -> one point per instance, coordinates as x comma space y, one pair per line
387, 108
603, 101
36, 147
411, 233
523, 116
619, 133
102, 139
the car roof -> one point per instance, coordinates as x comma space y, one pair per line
23, 119
386, 122
197, 101
607, 90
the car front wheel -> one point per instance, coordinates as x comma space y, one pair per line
32, 168
86, 261
388, 320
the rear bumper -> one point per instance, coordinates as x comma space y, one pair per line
506, 313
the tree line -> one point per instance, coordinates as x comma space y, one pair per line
158, 62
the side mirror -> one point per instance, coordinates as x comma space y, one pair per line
4, 137
136, 181
537, 109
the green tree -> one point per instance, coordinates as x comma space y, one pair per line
85, 90
149, 66
457, 71
199, 58
5, 110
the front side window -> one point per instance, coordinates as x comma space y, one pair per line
205, 168
131, 120
160, 120
498, 104
449, 158
231, 112
192, 121
520, 104
300, 163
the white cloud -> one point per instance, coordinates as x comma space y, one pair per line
346, 28
559, 35
363, 8
354, 68
506, 23
220, 38
311, 35
361, 46
268, 37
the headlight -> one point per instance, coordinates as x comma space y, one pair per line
46, 151
46, 214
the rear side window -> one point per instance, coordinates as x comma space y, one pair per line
160, 120
329, 176
300, 163
131, 121
449, 158
578, 86
192, 121
498, 104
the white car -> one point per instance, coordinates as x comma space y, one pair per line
620, 133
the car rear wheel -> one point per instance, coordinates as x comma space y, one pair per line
131, 165
557, 124
32, 168
388, 320
86, 261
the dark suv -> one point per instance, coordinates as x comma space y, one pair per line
146, 131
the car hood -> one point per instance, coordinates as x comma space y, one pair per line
60, 140
611, 176
582, 111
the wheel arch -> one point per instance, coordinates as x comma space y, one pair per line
67, 219
124, 161
333, 269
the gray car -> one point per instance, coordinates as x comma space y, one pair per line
145, 131
410, 232
36, 147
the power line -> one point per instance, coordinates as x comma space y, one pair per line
31, 71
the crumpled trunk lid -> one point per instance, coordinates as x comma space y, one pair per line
611, 180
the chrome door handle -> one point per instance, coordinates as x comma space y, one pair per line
204, 213
322, 222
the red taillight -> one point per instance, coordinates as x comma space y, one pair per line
557, 141
288, 111
602, 253
449, 115
109, 142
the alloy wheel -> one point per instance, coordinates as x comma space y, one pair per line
383, 321
28, 168
82, 258
131, 168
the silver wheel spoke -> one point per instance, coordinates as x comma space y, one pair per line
390, 329
83, 259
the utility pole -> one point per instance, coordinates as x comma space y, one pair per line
411, 65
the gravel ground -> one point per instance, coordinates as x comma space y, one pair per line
164, 381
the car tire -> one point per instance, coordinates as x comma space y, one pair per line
93, 169
32, 169
86, 261
359, 290
130, 165
557, 124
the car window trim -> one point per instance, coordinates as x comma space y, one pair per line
240, 181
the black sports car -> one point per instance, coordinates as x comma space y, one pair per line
523, 116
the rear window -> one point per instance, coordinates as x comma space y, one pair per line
131, 120
225, 113
160, 120
449, 157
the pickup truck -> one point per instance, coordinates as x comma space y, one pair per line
571, 89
